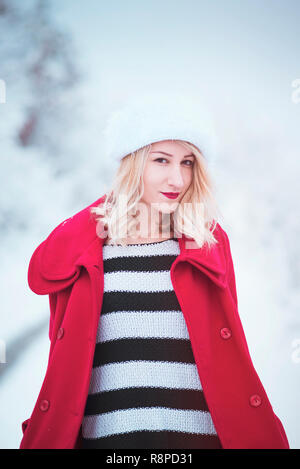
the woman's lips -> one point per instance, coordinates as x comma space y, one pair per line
171, 195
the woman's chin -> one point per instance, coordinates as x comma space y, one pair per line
167, 207
161, 206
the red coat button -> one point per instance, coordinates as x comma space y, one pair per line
225, 333
44, 405
60, 333
255, 400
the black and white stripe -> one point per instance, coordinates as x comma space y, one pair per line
145, 390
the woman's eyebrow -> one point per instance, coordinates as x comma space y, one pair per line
168, 154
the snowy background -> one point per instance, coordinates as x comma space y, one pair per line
63, 67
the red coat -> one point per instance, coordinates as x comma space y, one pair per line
68, 266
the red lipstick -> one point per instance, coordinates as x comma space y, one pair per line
171, 195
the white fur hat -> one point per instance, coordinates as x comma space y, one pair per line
153, 117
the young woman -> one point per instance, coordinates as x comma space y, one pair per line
147, 348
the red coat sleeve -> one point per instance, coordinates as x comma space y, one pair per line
230, 271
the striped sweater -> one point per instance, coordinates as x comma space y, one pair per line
145, 390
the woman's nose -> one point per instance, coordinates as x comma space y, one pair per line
175, 176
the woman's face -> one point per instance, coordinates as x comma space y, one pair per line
168, 169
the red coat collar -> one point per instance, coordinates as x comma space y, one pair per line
56, 263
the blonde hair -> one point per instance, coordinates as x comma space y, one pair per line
128, 182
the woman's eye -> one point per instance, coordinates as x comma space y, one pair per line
189, 162
161, 159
